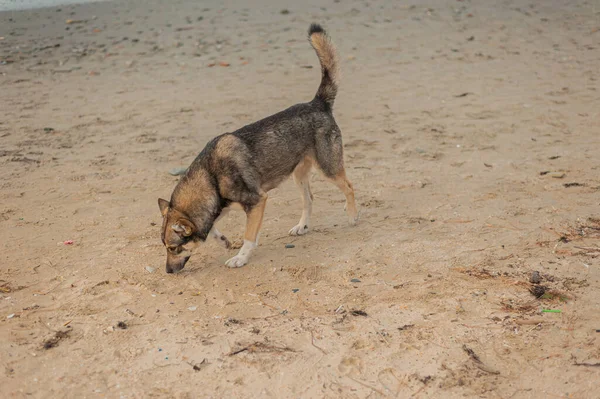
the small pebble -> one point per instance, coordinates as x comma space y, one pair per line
535, 278
355, 280
192, 308
290, 246
177, 171
150, 269
160, 349
10, 316
295, 290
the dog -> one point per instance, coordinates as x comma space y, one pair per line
238, 169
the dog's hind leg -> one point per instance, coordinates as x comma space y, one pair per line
254, 218
330, 160
302, 179
342, 182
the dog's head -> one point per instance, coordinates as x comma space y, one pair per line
178, 235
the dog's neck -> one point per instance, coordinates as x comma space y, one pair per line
197, 198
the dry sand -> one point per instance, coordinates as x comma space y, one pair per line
472, 135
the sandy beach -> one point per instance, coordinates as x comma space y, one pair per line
471, 134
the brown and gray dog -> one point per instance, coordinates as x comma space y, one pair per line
239, 168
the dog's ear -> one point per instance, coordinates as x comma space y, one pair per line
163, 205
183, 227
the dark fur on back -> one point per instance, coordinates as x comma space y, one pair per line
267, 151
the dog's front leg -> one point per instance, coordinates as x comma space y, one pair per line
254, 218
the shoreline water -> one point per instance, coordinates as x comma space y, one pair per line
21, 5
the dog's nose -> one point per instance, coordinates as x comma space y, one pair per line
169, 269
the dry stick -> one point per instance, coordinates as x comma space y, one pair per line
440, 345
367, 386
587, 364
589, 248
480, 365
312, 336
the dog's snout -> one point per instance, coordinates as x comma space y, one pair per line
175, 267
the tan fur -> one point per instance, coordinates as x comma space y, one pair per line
254, 218
326, 53
346, 187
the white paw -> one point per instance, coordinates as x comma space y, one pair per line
237, 261
299, 230
353, 220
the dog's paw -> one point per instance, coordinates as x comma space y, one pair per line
353, 220
299, 230
237, 261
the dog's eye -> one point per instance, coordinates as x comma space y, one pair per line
173, 250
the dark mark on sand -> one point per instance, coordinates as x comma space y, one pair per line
359, 313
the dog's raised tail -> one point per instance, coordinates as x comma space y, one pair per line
329, 63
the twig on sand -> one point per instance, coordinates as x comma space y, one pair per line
367, 386
586, 364
480, 365
261, 347
435, 343
589, 248
312, 336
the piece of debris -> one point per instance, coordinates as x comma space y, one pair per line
535, 278
554, 157
574, 184
480, 365
538, 290
462, 95
470, 38
177, 171
231, 321
48, 129
68, 242
150, 269
200, 366
294, 290
587, 364
487, 165
545, 172
10, 316
122, 325
405, 327
285, 11
290, 246
558, 175
355, 280
261, 347
359, 313
192, 308
551, 311
53, 341
224, 64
